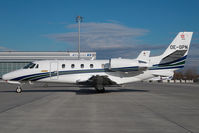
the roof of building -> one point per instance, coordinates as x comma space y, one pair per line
16, 56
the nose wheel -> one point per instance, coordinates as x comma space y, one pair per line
18, 90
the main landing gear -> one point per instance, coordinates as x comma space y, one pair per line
18, 90
100, 88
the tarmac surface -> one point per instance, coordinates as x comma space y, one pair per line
137, 107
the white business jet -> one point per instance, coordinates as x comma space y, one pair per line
103, 73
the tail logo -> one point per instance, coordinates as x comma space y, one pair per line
182, 37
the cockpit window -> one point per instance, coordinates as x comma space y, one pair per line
27, 66
37, 66
30, 65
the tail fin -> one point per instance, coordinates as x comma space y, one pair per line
176, 53
144, 56
180, 43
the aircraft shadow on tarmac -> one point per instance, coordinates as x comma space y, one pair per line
81, 91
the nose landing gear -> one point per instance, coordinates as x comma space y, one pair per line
18, 90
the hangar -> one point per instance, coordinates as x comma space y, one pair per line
12, 60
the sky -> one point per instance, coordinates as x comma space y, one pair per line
112, 28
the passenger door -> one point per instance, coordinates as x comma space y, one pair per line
54, 72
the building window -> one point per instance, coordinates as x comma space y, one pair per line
63, 66
82, 65
72, 65
91, 65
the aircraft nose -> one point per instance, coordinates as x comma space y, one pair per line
6, 77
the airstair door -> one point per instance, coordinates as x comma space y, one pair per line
54, 72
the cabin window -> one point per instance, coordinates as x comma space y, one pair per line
91, 65
72, 65
37, 66
82, 65
63, 66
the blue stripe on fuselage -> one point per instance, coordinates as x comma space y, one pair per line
34, 77
158, 68
168, 63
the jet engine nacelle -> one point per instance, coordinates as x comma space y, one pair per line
116, 63
120, 63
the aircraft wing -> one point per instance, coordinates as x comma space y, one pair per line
98, 80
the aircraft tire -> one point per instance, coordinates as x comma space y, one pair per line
100, 89
18, 90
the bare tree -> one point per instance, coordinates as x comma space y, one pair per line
186, 74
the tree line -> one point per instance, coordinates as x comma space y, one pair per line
186, 74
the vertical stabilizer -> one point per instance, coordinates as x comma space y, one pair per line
175, 55
180, 43
144, 56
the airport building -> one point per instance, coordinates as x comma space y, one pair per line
10, 61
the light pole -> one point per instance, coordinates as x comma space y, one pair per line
78, 20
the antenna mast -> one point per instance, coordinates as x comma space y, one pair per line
79, 19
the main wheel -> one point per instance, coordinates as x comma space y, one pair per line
100, 89
18, 90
